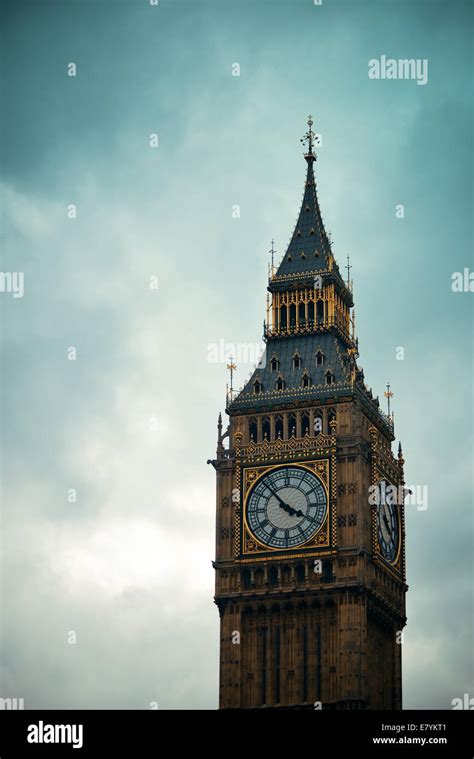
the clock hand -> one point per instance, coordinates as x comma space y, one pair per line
289, 509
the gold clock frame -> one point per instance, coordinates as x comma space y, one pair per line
322, 542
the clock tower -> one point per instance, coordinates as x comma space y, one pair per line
310, 535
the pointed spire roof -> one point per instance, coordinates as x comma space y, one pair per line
309, 250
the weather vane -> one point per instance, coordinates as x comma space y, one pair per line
388, 394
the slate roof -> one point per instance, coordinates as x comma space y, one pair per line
336, 360
309, 237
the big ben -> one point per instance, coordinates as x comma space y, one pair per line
310, 530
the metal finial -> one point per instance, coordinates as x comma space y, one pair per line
348, 267
388, 394
309, 139
272, 251
231, 367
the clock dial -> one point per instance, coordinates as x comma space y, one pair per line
387, 521
286, 507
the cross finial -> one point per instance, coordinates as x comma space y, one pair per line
309, 138
388, 394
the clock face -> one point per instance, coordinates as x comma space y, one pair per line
387, 521
286, 507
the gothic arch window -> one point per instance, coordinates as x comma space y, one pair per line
283, 317
329, 378
300, 573
291, 424
296, 361
320, 310
259, 577
319, 358
280, 384
311, 312
274, 364
246, 578
253, 429
293, 315
306, 380
301, 314
279, 426
273, 576
305, 423
257, 387
265, 428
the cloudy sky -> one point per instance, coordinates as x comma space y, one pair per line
125, 569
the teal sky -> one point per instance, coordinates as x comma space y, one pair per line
130, 424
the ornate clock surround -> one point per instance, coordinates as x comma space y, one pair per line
317, 455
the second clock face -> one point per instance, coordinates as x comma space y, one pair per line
387, 520
286, 507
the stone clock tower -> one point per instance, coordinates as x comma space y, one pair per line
310, 535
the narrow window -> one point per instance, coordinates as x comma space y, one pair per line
266, 428
279, 427
280, 384
300, 573
301, 314
296, 361
274, 364
319, 358
305, 380
305, 424
273, 576
292, 425
246, 582
253, 430
258, 387
293, 315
